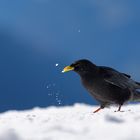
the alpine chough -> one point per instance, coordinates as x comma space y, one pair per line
107, 85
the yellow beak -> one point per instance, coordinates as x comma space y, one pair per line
68, 68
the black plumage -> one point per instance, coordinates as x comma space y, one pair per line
108, 86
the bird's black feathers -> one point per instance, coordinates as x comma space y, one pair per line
126, 75
105, 84
113, 77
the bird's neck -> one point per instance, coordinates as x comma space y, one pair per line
89, 73
88, 76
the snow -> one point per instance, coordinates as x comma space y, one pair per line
71, 123
79, 30
56, 64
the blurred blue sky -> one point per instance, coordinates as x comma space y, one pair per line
37, 34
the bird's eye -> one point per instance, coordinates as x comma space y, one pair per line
77, 66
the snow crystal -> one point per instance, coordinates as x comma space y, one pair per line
56, 64
79, 30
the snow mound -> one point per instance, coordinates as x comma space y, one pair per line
71, 123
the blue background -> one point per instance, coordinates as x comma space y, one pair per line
37, 34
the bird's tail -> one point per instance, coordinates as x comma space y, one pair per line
136, 96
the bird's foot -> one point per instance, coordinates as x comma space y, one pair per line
119, 111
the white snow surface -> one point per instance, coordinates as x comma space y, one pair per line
75, 122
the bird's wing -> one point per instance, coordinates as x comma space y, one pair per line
114, 77
126, 75
113, 70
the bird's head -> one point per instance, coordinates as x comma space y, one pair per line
81, 67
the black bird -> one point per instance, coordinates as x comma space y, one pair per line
107, 85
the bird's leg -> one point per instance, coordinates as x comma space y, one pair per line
119, 109
98, 109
